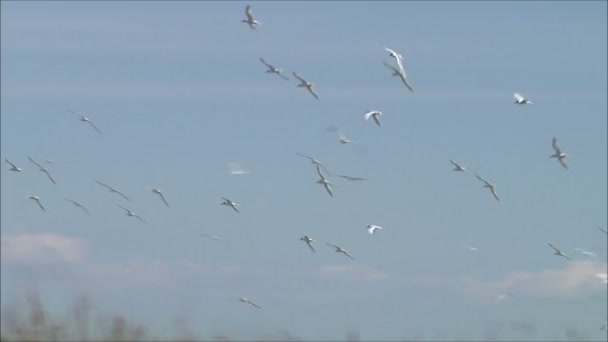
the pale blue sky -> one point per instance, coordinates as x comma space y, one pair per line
179, 92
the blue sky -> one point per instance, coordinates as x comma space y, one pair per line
179, 93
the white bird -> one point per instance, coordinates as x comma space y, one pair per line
13, 168
113, 190
352, 179
490, 186
42, 169
399, 71
558, 252
326, 184
236, 169
458, 167
602, 230
85, 119
248, 301
305, 84
585, 252
372, 228
561, 156
374, 114
340, 250
79, 205
162, 196
231, 204
309, 242
314, 161
521, 100
250, 19
273, 70
344, 139
37, 199
132, 214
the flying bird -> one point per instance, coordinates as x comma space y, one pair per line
216, 238
372, 228
161, 195
521, 100
314, 161
309, 242
458, 167
79, 205
13, 168
352, 179
344, 139
273, 70
42, 169
113, 190
326, 184
132, 214
340, 250
231, 204
374, 114
253, 24
398, 71
561, 156
85, 119
490, 186
558, 252
245, 300
37, 199
305, 84
602, 230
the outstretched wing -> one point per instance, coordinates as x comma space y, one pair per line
299, 77
32, 160
266, 63
319, 172
139, 218
551, 245
494, 193
49, 175
328, 189
164, 200
311, 247
348, 255
249, 13
518, 97
13, 165
483, 180
95, 127
334, 246
405, 81
305, 156
351, 178
312, 92
375, 117
76, 113
555, 146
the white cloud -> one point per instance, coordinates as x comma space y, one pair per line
355, 271
42, 249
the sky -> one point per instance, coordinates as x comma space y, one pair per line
179, 93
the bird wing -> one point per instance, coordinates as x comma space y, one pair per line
39, 204
311, 247
13, 165
76, 113
235, 208
518, 97
405, 81
600, 228
334, 246
375, 117
95, 127
85, 209
312, 92
328, 189
266, 64
348, 255
283, 76
254, 304
483, 180
121, 194
494, 193
557, 250
319, 172
49, 175
32, 160
351, 178
104, 185
249, 13
567, 257
123, 208
455, 164
142, 220
299, 77
563, 162
555, 146
162, 196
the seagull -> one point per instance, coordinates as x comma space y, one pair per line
340, 250
235, 169
77, 204
374, 114
245, 300
273, 70
352, 179
602, 230
250, 19
344, 140
42, 169
372, 228
113, 190
309, 242
458, 167
85, 119
561, 156
162, 196
37, 199
305, 84
585, 252
490, 186
314, 161
398, 71
131, 213
558, 252
13, 168
521, 100
230, 204
325, 182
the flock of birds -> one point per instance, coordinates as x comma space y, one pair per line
375, 115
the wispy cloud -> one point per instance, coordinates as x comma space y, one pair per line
42, 249
355, 271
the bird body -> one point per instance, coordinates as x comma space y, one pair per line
305, 84
372, 228
14, 167
231, 204
37, 200
458, 167
250, 20
130, 213
520, 100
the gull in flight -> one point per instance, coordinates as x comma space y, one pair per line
131, 213
162, 196
561, 156
79, 205
340, 250
113, 190
305, 84
521, 100
585, 252
458, 167
273, 70
216, 238
398, 71
235, 169
230, 204
37, 199
372, 228
325, 182
309, 242
85, 119
602, 230
352, 179
490, 186
344, 140
558, 252
13, 168
248, 301
253, 24
374, 114
42, 169
314, 161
